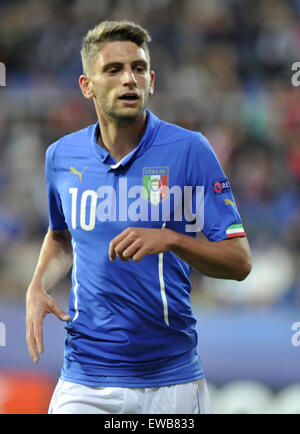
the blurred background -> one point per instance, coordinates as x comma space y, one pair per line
224, 68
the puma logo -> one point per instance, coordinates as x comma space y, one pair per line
73, 170
229, 202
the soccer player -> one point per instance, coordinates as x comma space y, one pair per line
128, 198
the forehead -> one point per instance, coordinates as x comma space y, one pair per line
120, 51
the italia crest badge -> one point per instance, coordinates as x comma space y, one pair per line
156, 184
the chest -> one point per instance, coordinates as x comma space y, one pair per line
148, 192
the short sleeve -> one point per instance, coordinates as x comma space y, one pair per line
56, 216
218, 210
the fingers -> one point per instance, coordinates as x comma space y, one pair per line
124, 246
135, 243
35, 337
59, 312
112, 253
37, 310
127, 248
132, 250
38, 335
114, 243
31, 342
139, 254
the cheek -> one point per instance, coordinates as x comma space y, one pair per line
144, 84
102, 92
150, 85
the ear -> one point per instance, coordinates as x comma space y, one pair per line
152, 81
86, 86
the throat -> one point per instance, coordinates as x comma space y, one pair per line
119, 140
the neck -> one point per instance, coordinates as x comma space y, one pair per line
120, 138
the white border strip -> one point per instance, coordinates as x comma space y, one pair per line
76, 284
162, 284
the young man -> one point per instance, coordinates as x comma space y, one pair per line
128, 197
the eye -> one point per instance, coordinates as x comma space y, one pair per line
140, 68
112, 70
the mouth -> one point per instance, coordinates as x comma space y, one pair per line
130, 98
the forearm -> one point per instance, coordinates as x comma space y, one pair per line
228, 259
54, 262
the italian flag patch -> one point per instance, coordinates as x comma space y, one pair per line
235, 231
155, 183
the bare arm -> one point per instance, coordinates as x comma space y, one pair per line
54, 262
228, 259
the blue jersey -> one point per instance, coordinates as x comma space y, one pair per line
131, 322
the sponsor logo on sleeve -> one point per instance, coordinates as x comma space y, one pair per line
221, 186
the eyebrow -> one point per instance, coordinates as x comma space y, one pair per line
120, 64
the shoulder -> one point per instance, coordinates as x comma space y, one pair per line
191, 141
76, 138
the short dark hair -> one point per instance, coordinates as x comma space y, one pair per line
109, 31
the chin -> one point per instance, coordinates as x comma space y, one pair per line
128, 115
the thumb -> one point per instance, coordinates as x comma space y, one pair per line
59, 312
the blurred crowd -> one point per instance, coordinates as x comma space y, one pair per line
223, 67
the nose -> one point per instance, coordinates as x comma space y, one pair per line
128, 77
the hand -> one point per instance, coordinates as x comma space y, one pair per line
136, 243
38, 305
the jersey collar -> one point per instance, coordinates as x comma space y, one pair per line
146, 141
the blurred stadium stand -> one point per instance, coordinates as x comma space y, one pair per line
223, 68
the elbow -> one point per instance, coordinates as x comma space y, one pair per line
244, 269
